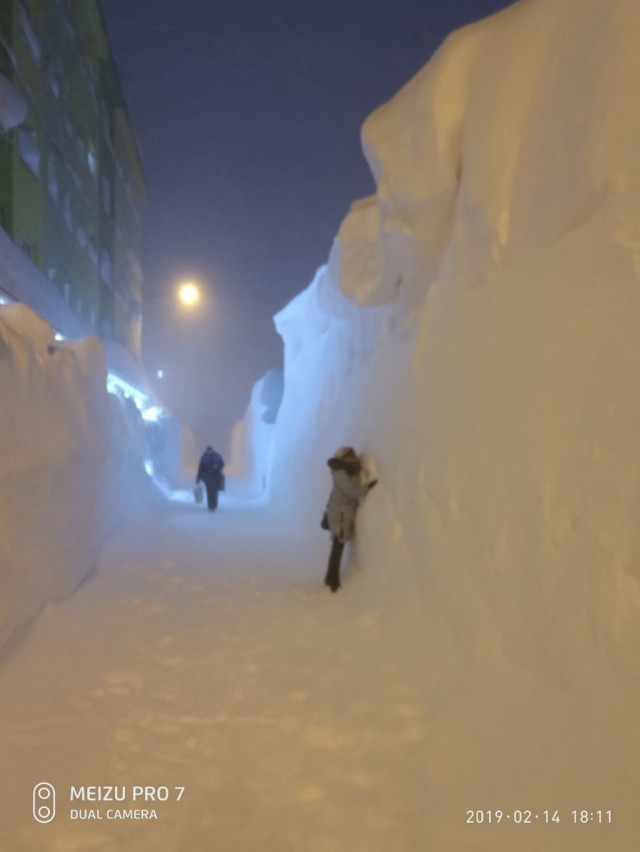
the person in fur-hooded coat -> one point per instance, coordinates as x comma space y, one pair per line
346, 494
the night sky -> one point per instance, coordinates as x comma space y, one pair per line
248, 115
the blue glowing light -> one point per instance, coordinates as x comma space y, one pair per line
116, 385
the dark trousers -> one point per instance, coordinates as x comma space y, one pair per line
212, 496
333, 571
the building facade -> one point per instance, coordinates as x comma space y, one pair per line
71, 181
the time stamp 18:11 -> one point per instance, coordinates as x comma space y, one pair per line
525, 817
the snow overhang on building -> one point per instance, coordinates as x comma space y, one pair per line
22, 281
126, 376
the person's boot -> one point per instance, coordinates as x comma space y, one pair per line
333, 572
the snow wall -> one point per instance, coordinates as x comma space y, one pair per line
71, 463
476, 332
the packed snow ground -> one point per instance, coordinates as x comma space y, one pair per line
194, 658
206, 654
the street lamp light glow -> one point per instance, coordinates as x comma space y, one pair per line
189, 294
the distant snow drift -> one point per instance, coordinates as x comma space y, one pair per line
70, 463
247, 467
476, 331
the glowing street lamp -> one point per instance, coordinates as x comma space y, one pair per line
189, 294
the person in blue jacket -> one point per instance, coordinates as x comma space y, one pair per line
210, 471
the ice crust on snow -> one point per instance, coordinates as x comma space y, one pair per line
475, 331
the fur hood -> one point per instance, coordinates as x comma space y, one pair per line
351, 468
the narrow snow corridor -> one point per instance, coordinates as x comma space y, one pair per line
205, 653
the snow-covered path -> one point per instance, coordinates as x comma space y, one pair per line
206, 654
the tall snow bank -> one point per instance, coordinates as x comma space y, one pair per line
70, 466
476, 332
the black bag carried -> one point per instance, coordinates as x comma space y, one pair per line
223, 482
324, 523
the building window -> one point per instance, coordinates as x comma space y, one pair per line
52, 178
52, 79
105, 192
93, 254
70, 29
93, 81
66, 211
105, 119
29, 151
66, 292
106, 269
92, 162
30, 36
134, 265
13, 107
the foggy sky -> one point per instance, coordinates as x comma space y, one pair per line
248, 115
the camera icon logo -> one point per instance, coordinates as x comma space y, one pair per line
44, 802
